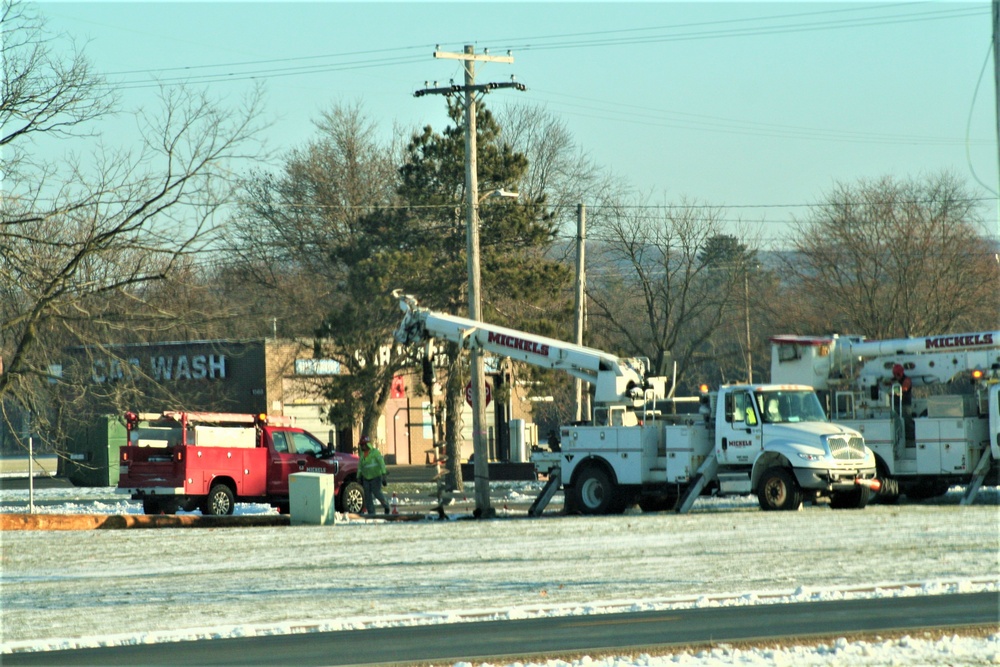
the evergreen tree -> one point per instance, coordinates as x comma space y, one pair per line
420, 247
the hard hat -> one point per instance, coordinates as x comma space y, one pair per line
364, 441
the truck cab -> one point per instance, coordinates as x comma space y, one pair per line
776, 441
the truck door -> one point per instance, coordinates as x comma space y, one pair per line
738, 434
283, 463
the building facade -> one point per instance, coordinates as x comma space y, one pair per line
277, 377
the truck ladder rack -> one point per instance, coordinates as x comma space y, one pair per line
706, 473
978, 475
549, 490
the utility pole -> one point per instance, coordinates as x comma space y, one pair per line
996, 83
746, 306
581, 286
481, 467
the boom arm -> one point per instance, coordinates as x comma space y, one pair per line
926, 360
616, 380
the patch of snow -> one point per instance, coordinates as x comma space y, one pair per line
77, 589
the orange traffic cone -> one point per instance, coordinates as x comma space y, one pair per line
394, 503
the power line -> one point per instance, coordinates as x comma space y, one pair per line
245, 63
228, 77
754, 32
544, 42
627, 113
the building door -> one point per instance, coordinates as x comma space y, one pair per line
397, 431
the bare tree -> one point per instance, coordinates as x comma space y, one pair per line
560, 171
300, 218
42, 93
79, 244
309, 224
653, 290
889, 258
558, 168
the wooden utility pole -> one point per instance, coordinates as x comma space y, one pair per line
481, 467
746, 306
996, 86
581, 296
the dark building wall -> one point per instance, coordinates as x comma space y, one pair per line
221, 376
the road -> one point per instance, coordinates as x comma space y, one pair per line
497, 641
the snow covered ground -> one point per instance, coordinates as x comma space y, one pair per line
68, 589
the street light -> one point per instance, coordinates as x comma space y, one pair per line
501, 193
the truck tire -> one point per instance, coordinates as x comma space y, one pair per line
152, 506
925, 490
661, 502
352, 498
594, 492
888, 494
220, 500
778, 490
855, 499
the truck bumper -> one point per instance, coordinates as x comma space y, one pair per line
817, 479
146, 491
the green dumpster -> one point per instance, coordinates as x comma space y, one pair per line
92, 452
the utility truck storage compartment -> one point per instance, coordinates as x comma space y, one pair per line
225, 436
951, 406
311, 498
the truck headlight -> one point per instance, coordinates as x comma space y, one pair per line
810, 457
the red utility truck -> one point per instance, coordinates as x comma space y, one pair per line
213, 460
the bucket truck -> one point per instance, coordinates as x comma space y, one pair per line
770, 440
947, 433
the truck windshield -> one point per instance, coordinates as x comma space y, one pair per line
788, 407
303, 443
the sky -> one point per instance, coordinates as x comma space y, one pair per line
757, 107
56, 593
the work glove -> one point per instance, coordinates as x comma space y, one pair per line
385, 482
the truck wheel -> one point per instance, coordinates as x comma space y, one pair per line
658, 502
851, 500
220, 501
352, 498
594, 493
151, 506
778, 490
889, 493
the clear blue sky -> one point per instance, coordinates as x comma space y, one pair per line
757, 106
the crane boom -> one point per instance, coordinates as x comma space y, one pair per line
616, 380
949, 343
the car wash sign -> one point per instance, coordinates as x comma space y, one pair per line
162, 368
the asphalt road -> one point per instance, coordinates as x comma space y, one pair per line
550, 637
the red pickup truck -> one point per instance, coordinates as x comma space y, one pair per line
213, 460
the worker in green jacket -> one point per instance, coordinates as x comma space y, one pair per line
371, 470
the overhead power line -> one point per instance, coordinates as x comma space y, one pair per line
727, 28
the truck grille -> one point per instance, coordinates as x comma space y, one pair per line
847, 448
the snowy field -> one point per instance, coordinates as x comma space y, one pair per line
69, 589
